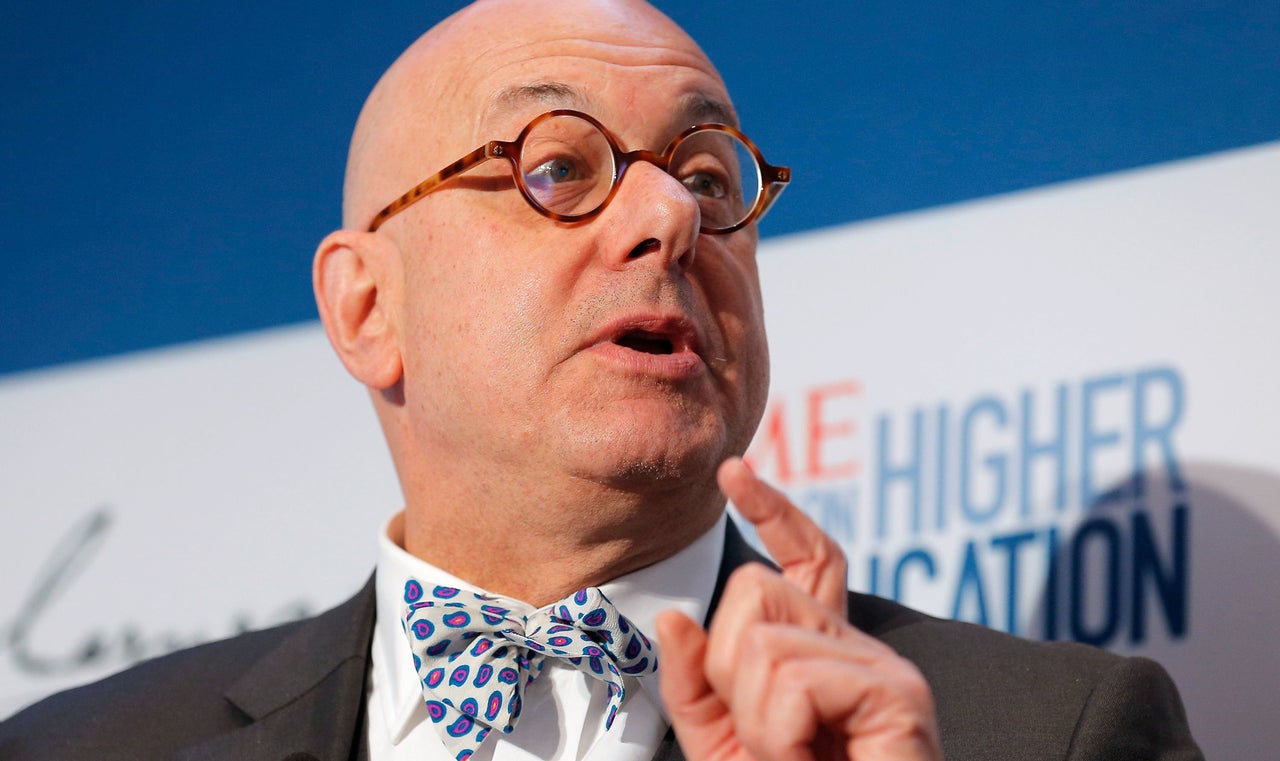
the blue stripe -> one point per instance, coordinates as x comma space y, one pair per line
169, 170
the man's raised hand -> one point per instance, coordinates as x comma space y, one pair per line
781, 675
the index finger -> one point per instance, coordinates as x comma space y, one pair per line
809, 558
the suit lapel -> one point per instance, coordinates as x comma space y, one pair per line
736, 553
306, 696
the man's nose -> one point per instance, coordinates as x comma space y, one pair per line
652, 218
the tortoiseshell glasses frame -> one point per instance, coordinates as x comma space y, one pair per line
709, 173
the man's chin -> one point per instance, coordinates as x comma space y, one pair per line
647, 444
678, 465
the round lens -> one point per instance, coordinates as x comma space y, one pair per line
721, 172
566, 165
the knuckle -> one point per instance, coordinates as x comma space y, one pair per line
837, 553
828, 553
759, 640
908, 685
773, 745
916, 688
791, 675
760, 736
719, 667
750, 579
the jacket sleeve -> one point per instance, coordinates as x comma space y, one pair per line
1134, 713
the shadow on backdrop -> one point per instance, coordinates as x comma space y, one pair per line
1183, 569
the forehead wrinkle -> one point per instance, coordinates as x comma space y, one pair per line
691, 108
520, 61
625, 50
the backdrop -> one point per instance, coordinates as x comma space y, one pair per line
1020, 298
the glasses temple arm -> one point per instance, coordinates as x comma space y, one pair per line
433, 182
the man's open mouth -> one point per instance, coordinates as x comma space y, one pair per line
647, 342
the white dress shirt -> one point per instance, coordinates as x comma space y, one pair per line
563, 715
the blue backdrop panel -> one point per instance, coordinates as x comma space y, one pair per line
170, 168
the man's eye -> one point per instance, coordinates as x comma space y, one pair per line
706, 184
556, 170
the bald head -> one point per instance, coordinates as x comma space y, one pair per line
431, 105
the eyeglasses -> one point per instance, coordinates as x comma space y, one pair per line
568, 167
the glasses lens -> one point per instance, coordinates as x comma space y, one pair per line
567, 165
721, 172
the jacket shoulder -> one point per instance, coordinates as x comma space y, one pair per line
999, 696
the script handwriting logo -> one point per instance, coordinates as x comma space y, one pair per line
99, 648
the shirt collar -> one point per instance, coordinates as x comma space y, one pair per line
685, 581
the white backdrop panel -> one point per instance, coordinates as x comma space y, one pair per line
1074, 335
960, 358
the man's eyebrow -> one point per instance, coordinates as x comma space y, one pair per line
699, 109
550, 94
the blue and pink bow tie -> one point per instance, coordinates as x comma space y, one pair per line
476, 656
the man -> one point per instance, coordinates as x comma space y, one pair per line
565, 349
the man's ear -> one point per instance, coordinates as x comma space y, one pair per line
356, 277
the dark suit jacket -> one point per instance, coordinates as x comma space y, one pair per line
297, 692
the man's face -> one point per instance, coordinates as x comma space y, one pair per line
628, 350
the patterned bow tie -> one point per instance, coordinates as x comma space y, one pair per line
476, 657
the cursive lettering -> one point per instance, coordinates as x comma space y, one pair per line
101, 648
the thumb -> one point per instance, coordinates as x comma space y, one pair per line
700, 718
